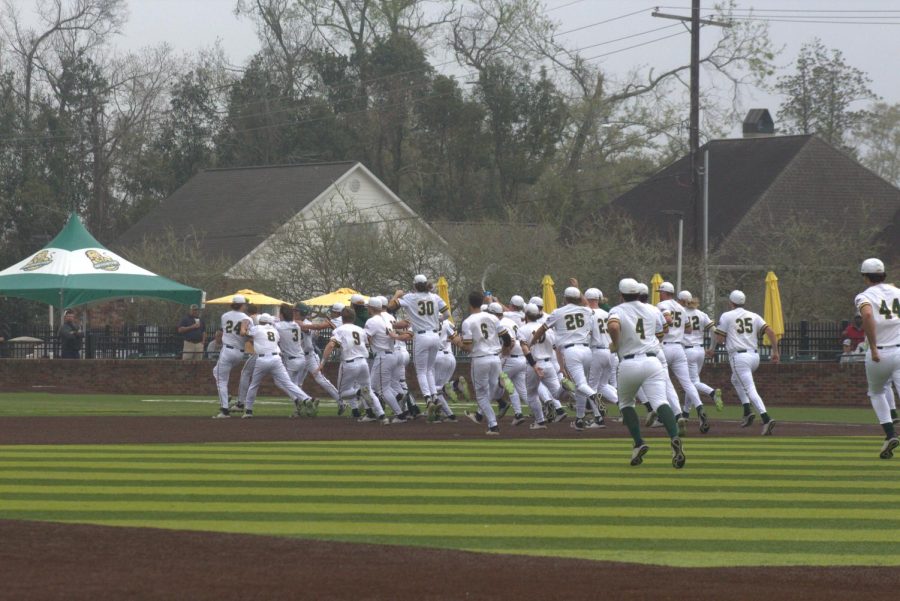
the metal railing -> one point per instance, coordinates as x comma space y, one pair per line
802, 341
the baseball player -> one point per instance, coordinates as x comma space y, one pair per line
601, 358
567, 384
234, 324
695, 345
268, 361
358, 304
740, 330
542, 352
673, 350
515, 310
483, 338
879, 305
424, 310
382, 337
513, 363
312, 357
401, 358
353, 375
633, 328
444, 366
290, 343
575, 326
247, 369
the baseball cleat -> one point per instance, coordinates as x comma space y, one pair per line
717, 397
748, 420
637, 454
887, 449
651, 417
704, 423
518, 419
451, 394
247, 414
298, 408
507, 384
342, 406
568, 384
597, 422
502, 408
678, 458
432, 410
397, 420
578, 424
768, 427
451, 418
366, 418
538, 426
682, 426
312, 407
493, 431
560, 415
222, 414
385, 420
474, 416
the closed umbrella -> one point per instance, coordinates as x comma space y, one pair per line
443, 290
549, 295
773, 314
655, 281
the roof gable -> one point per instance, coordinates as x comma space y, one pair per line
233, 210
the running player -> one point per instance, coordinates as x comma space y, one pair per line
234, 325
543, 351
381, 337
268, 361
695, 345
290, 343
444, 366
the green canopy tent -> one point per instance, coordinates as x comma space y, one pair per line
74, 269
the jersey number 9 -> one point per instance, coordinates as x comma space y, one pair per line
356, 338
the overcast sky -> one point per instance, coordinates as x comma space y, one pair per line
191, 25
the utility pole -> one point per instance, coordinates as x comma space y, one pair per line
694, 137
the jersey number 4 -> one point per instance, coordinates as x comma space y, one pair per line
573, 322
892, 311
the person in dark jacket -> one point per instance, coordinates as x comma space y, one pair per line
70, 336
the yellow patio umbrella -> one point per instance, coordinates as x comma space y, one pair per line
443, 290
341, 295
252, 297
548, 294
773, 314
655, 281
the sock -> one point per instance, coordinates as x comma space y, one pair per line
893, 414
746, 407
765, 418
667, 417
700, 411
649, 407
889, 431
631, 421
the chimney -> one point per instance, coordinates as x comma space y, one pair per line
758, 124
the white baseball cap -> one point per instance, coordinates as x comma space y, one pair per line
537, 300
685, 296
337, 307
532, 309
239, 299
374, 302
484, 308
667, 287
420, 279
495, 308
265, 318
737, 297
357, 299
593, 294
872, 266
517, 301
383, 299
642, 288
572, 292
629, 286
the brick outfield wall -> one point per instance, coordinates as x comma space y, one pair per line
788, 384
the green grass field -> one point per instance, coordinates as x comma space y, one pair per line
762, 501
45, 404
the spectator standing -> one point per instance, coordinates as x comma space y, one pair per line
70, 336
193, 329
215, 346
854, 333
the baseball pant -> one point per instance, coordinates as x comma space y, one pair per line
402, 363
270, 364
295, 367
353, 376
549, 383
642, 373
678, 364
514, 368
444, 366
425, 350
486, 382
382, 380
601, 372
696, 357
880, 375
312, 366
671, 395
578, 361
614, 369
742, 367
889, 395
246, 378
228, 358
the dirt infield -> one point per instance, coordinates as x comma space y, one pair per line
75, 561
45, 561
124, 430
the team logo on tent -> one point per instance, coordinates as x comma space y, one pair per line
104, 262
42, 258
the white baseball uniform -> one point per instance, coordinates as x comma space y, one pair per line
741, 329
575, 326
232, 352
378, 331
290, 343
673, 348
638, 349
671, 394
312, 365
514, 366
543, 351
423, 310
268, 361
401, 360
445, 364
885, 302
601, 359
693, 346
353, 374
483, 331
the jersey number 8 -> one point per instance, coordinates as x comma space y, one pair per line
270, 336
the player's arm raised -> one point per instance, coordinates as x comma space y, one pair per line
394, 303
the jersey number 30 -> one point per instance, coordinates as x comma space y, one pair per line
426, 307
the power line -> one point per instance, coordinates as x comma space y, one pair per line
566, 5
796, 10
596, 56
589, 25
776, 20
